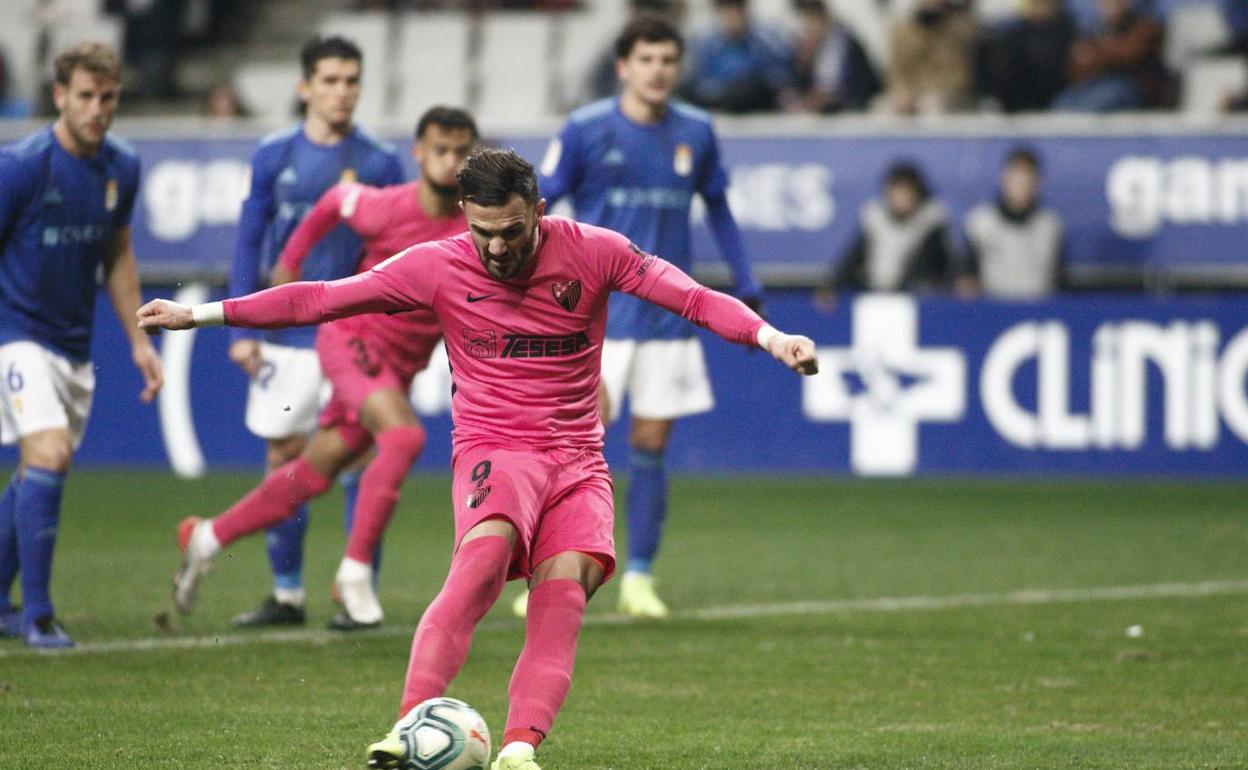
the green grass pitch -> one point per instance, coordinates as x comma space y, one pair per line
1001, 651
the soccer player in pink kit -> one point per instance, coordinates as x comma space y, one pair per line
522, 302
370, 360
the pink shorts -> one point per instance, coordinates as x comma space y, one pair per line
356, 366
558, 500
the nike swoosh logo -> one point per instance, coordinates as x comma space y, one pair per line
478, 299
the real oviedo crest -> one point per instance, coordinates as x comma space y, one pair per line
110, 195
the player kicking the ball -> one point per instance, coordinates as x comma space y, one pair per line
370, 361
522, 302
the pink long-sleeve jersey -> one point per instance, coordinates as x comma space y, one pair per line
389, 219
525, 353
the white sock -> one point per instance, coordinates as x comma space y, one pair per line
292, 596
352, 571
204, 541
517, 749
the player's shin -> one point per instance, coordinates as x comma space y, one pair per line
543, 674
397, 449
284, 544
647, 507
38, 513
440, 645
8, 545
276, 499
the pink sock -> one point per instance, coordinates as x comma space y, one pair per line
440, 645
397, 449
274, 500
543, 673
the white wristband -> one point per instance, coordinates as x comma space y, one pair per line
208, 314
765, 335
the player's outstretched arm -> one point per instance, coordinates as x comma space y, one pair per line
165, 314
793, 350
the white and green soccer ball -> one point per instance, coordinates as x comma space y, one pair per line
444, 734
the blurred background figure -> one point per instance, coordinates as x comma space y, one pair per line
1119, 66
831, 71
1014, 244
601, 81
224, 102
739, 64
902, 242
1025, 63
932, 59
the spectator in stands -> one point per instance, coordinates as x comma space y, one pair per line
1236, 14
902, 242
1118, 67
1014, 244
739, 65
224, 102
932, 59
831, 71
1025, 64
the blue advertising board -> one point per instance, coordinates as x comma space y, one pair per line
1088, 385
1146, 203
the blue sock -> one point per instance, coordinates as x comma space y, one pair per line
8, 543
284, 543
647, 507
350, 481
38, 509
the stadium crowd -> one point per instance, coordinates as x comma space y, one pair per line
800, 56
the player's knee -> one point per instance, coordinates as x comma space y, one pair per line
281, 451
650, 435
571, 565
405, 440
51, 451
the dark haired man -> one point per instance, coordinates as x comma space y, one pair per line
66, 196
902, 243
633, 164
369, 361
1014, 244
290, 170
522, 301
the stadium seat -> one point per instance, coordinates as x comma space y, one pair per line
371, 32
583, 37
514, 60
433, 63
269, 88
19, 40
105, 29
870, 24
1207, 83
1193, 30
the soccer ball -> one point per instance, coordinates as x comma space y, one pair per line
444, 734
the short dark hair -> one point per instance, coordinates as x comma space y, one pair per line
446, 117
333, 47
490, 176
650, 29
907, 173
1024, 156
94, 57
810, 6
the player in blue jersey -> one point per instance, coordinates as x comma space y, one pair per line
290, 170
633, 164
66, 195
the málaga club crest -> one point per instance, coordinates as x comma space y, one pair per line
567, 293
